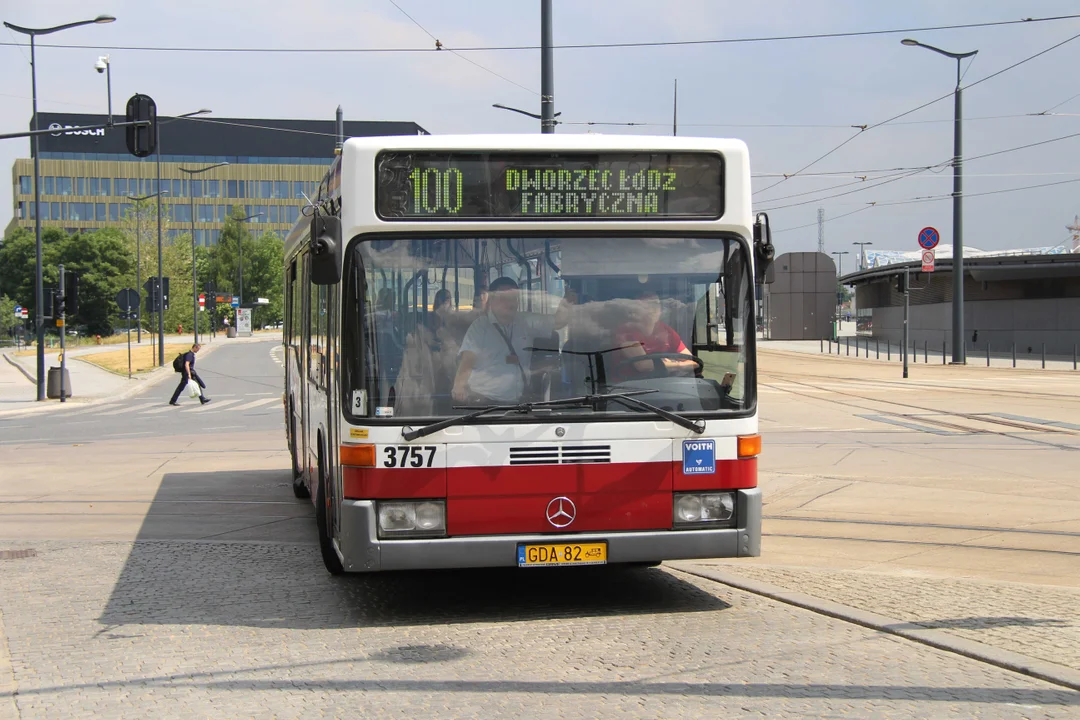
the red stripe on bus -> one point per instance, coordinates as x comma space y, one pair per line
519, 499
392, 483
729, 475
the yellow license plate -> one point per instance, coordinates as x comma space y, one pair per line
553, 554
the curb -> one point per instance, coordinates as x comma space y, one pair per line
20, 368
1005, 659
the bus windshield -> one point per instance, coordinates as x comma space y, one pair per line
436, 328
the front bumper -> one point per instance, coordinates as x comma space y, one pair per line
362, 551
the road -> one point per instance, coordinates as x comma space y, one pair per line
155, 564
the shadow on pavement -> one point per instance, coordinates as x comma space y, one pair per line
235, 548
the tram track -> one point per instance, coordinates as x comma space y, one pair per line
928, 386
872, 405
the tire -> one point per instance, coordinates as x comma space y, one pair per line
299, 485
322, 521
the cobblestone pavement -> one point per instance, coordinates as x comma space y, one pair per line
193, 629
1035, 620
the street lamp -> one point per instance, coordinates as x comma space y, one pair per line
839, 292
959, 354
194, 272
862, 253
39, 291
138, 249
160, 289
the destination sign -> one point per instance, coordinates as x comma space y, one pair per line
520, 186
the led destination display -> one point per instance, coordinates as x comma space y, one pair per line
470, 186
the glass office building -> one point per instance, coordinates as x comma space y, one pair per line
88, 178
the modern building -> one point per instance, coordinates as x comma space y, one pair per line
1027, 299
88, 178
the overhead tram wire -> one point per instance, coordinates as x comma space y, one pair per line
920, 107
827, 220
900, 176
579, 46
440, 46
935, 198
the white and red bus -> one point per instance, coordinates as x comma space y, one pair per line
526, 351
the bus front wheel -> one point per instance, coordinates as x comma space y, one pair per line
322, 520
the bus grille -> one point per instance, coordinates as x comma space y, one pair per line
556, 455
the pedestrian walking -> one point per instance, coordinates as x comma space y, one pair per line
185, 365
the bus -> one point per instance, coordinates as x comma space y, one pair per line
526, 351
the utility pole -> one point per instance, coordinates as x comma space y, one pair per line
547, 71
907, 293
340, 130
675, 110
821, 230
1075, 229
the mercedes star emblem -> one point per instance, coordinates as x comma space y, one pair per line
561, 512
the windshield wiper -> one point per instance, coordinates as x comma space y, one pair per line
524, 408
625, 398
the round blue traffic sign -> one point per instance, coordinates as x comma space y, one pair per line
928, 238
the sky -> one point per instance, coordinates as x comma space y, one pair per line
791, 101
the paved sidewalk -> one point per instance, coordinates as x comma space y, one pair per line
1037, 621
89, 383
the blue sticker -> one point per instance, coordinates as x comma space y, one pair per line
698, 457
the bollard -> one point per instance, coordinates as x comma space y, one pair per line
987, 353
942, 352
925, 351
847, 347
1074, 356
888, 351
821, 345
1044, 356
877, 349
1014, 354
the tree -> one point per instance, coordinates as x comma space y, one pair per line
104, 267
8, 321
262, 267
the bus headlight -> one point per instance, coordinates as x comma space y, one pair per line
402, 518
703, 510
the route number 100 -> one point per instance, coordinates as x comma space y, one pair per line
436, 191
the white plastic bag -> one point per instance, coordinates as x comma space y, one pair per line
193, 389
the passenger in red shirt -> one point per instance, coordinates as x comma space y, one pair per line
647, 334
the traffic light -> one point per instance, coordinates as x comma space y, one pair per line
211, 297
165, 292
48, 306
153, 297
141, 139
900, 285
71, 293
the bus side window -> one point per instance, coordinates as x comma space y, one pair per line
317, 322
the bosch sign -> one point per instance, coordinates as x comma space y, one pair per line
70, 131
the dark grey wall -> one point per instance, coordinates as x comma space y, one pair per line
219, 136
800, 302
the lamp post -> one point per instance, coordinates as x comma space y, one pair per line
161, 299
138, 249
959, 353
240, 263
194, 272
839, 292
862, 253
39, 291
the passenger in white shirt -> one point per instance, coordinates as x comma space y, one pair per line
494, 361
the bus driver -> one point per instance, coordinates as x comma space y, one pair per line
494, 362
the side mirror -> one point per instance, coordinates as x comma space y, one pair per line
326, 253
764, 251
